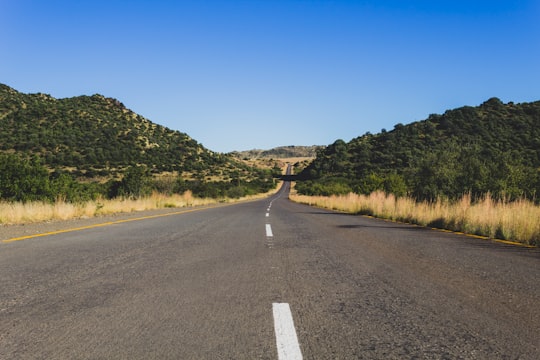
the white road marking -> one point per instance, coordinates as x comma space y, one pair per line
267, 214
288, 347
269, 231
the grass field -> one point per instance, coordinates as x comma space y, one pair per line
517, 221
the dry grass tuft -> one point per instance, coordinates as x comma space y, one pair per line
516, 221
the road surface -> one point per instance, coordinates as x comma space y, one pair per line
267, 279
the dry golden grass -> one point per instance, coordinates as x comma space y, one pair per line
516, 221
294, 160
34, 212
268, 163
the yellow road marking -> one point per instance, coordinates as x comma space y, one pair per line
482, 237
508, 242
110, 223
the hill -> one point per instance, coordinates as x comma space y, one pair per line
492, 148
280, 152
47, 144
93, 133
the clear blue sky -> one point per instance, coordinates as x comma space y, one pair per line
237, 75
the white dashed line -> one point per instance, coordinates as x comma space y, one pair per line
269, 231
287, 344
286, 339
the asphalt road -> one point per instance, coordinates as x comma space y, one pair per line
202, 285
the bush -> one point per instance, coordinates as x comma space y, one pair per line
135, 183
23, 179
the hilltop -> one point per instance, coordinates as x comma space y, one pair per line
491, 148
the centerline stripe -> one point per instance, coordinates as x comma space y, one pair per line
286, 339
269, 231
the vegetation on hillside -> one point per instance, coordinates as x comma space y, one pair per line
279, 152
94, 134
490, 149
86, 147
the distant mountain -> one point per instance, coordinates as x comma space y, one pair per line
280, 152
494, 147
95, 133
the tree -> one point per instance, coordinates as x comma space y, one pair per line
135, 183
23, 179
